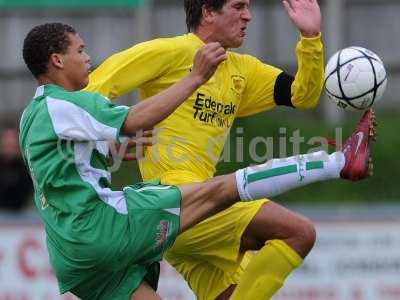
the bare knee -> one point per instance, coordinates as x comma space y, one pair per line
304, 236
276, 222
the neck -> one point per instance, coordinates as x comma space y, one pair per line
43, 80
57, 80
205, 35
208, 36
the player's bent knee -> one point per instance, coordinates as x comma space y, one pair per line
306, 234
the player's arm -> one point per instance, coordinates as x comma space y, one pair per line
92, 117
305, 88
267, 86
148, 113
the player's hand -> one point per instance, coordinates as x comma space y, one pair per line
207, 60
133, 149
306, 15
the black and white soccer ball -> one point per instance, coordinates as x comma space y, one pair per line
355, 78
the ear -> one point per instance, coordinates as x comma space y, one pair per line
207, 15
56, 60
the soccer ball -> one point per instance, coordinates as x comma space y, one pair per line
355, 78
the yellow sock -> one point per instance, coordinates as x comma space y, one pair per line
267, 271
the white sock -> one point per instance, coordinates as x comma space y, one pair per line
280, 175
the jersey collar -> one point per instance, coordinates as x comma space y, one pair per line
41, 90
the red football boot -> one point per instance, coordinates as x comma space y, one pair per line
356, 150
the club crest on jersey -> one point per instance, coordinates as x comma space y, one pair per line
237, 83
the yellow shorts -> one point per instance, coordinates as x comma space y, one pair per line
207, 255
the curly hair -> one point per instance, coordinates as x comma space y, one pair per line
193, 10
42, 41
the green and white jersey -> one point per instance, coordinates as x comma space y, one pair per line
64, 140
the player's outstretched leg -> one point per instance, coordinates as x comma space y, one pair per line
356, 150
277, 176
202, 200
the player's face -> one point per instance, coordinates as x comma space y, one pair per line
77, 63
230, 23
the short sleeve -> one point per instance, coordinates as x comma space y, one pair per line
86, 117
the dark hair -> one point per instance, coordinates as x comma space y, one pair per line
42, 41
193, 10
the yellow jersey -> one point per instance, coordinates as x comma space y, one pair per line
190, 141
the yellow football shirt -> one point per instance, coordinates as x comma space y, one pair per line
190, 141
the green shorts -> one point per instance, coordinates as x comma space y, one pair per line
153, 225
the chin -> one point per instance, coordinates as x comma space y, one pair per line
84, 83
236, 43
